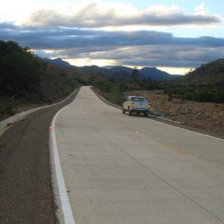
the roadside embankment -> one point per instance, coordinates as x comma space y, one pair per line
207, 117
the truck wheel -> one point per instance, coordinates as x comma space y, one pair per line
123, 111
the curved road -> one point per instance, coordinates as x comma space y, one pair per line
133, 170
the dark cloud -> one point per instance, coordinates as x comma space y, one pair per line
5, 26
61, 38
137, 48
163, 55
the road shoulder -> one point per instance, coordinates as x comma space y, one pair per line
25, 172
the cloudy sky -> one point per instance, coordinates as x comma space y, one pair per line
174, 35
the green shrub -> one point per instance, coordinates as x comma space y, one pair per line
9, 109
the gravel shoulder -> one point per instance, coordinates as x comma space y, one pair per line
25, 177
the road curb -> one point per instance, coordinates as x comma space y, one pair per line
7, 123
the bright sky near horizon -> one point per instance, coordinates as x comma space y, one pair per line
174, 35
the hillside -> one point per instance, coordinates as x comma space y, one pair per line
156, 74
204, 84
25, 80
93, 69
119, 72
208, 74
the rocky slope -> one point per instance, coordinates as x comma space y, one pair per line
208, 117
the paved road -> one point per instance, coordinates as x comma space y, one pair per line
134, 170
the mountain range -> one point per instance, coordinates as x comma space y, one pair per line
57, 61
117, 72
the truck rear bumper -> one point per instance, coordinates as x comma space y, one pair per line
140, 110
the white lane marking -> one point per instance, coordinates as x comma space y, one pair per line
66, 207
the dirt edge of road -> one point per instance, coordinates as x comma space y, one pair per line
26, 184
164, 120
10, 121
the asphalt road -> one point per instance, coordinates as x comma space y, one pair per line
134, 170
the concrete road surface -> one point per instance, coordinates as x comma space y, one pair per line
133, 170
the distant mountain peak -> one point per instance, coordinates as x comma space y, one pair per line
57, 61
123, 72
155, 74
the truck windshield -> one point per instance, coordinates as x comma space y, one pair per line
138, 99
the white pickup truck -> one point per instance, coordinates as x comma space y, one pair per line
138, 104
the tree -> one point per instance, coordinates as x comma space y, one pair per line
135, 74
